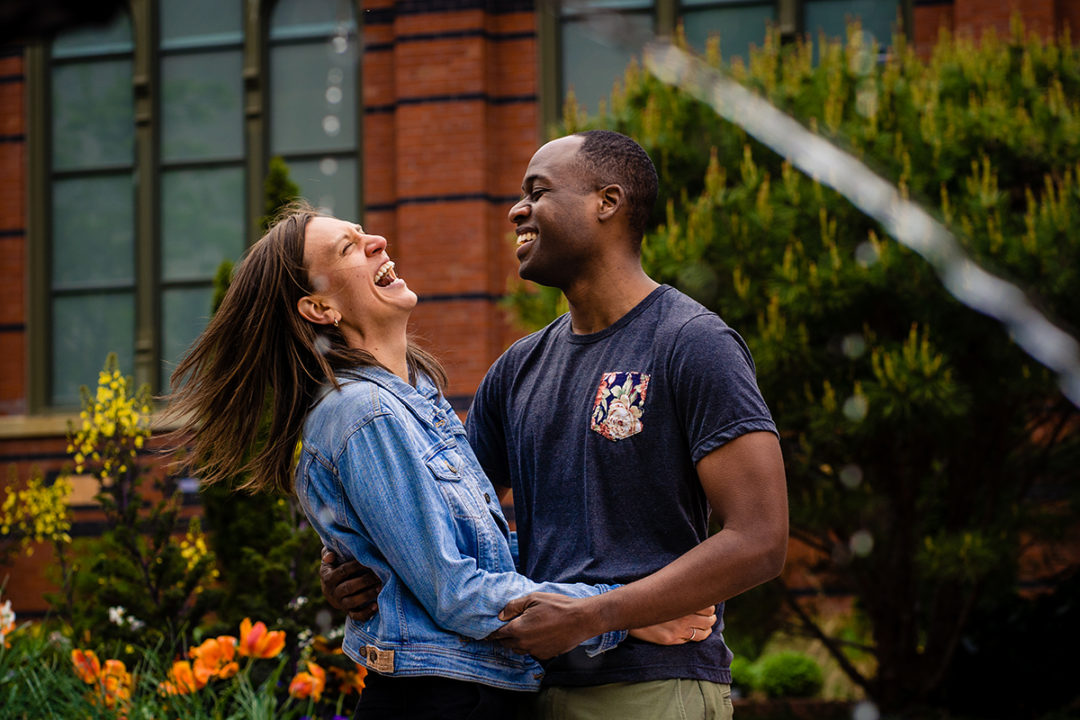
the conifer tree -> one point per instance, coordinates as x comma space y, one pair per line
925, 452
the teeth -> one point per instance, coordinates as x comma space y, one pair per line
386, 272
525, 237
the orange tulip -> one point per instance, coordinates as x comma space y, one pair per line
182, 680
350, 681
323, 646
256, 641
308, 684
87, 665
116, 683
215, 658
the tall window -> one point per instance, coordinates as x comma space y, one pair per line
141, 211
91, 290
597, 41
202, 162
878, 18
313, 126
597, 38
738, 23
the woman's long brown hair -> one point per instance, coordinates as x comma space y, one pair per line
259, 356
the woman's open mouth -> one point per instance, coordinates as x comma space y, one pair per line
385, 274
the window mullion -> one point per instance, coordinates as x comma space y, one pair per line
787, 18
549, 66
255, 70
667, 14
39, 307
147, 266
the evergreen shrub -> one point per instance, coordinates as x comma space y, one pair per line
924, 449
789, 674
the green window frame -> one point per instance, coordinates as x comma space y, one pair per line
560, 43
189, 153
90, 283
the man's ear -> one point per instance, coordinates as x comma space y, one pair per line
612, 198
315, 311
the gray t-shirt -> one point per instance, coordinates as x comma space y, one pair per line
598, 435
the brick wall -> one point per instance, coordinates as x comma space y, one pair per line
26, 580
1046, 18
927, 23
979, 16
1068, 16
450, 124
12, 233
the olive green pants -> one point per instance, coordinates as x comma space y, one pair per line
676, 699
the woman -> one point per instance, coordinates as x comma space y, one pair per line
313, 332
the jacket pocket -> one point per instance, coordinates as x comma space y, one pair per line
446, 467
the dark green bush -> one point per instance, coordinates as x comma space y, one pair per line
744, 675
789, 674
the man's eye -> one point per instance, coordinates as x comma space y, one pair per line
535, 194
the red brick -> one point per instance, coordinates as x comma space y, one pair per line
1068, 17
12, 120
979, 16
927, 23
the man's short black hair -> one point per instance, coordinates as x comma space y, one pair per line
613, 158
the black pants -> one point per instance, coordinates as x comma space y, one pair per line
434, 698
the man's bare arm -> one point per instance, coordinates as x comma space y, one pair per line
746, 488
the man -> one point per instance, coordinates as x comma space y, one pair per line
618, 427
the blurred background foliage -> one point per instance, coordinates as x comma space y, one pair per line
926, 454
931, 464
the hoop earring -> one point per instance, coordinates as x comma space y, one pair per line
336, 321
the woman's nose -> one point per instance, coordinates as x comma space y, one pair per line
374, 243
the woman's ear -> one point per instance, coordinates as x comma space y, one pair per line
316, 312
612, 198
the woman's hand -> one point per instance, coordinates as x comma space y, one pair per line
689, 628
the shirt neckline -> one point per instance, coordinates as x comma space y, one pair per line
634, 312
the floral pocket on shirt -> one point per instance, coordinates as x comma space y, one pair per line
619, 404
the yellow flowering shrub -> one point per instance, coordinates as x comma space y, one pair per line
114, 426
138, 580
193, 549
36, 513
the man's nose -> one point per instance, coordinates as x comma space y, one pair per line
519, 211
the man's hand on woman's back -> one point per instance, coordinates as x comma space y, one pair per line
349, 586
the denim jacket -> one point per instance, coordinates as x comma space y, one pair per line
387, 477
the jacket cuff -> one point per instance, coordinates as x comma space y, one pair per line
603, 643
609, 640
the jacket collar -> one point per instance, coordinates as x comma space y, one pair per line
422, 399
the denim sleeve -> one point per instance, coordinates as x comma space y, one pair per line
514, 548
401, 509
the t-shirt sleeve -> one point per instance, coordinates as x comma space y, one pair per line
716, 391
485, 429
